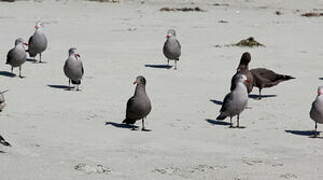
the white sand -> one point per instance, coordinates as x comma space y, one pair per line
52, 130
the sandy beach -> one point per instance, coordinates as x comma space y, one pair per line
65, 135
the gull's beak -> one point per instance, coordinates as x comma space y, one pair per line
168, 36
135, 82
77, 55
247, 81
26, 44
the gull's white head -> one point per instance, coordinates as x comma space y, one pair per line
171, 33
38, 25
242, 78
72, 52
20, 41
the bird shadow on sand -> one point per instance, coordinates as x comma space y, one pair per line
57, 86
121, 125
32, 60
35, 61
256, 96
215, 122
7, 74
216, 102
308, 133
320, 78
159, 66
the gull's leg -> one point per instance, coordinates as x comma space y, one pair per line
259, 97
231, 125
20, 72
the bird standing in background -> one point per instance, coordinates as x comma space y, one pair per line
37, 42
73, 68
265, 78
316, 112
17, 55
172, 47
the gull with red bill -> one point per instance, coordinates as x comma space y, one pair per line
37, 42
236, 101
172, 47
73, 68
17, 55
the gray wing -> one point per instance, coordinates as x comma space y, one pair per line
234, 81
30, 40
65, 68
10, 55
315, 113
31, 49
179, 48
130, 110
226, 102
82, 69
179, 45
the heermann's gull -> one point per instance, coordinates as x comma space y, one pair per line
73, 68
172, 47
139, 105
265, 78
243, 68
17, 55
316, 112
2, 100
37, 42
236, 101
4, 142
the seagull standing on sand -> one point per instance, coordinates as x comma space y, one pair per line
172, 47
265, 78
139, 105
236, 101
17, 55
243, 68
37, 42
316, 112
73, 68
